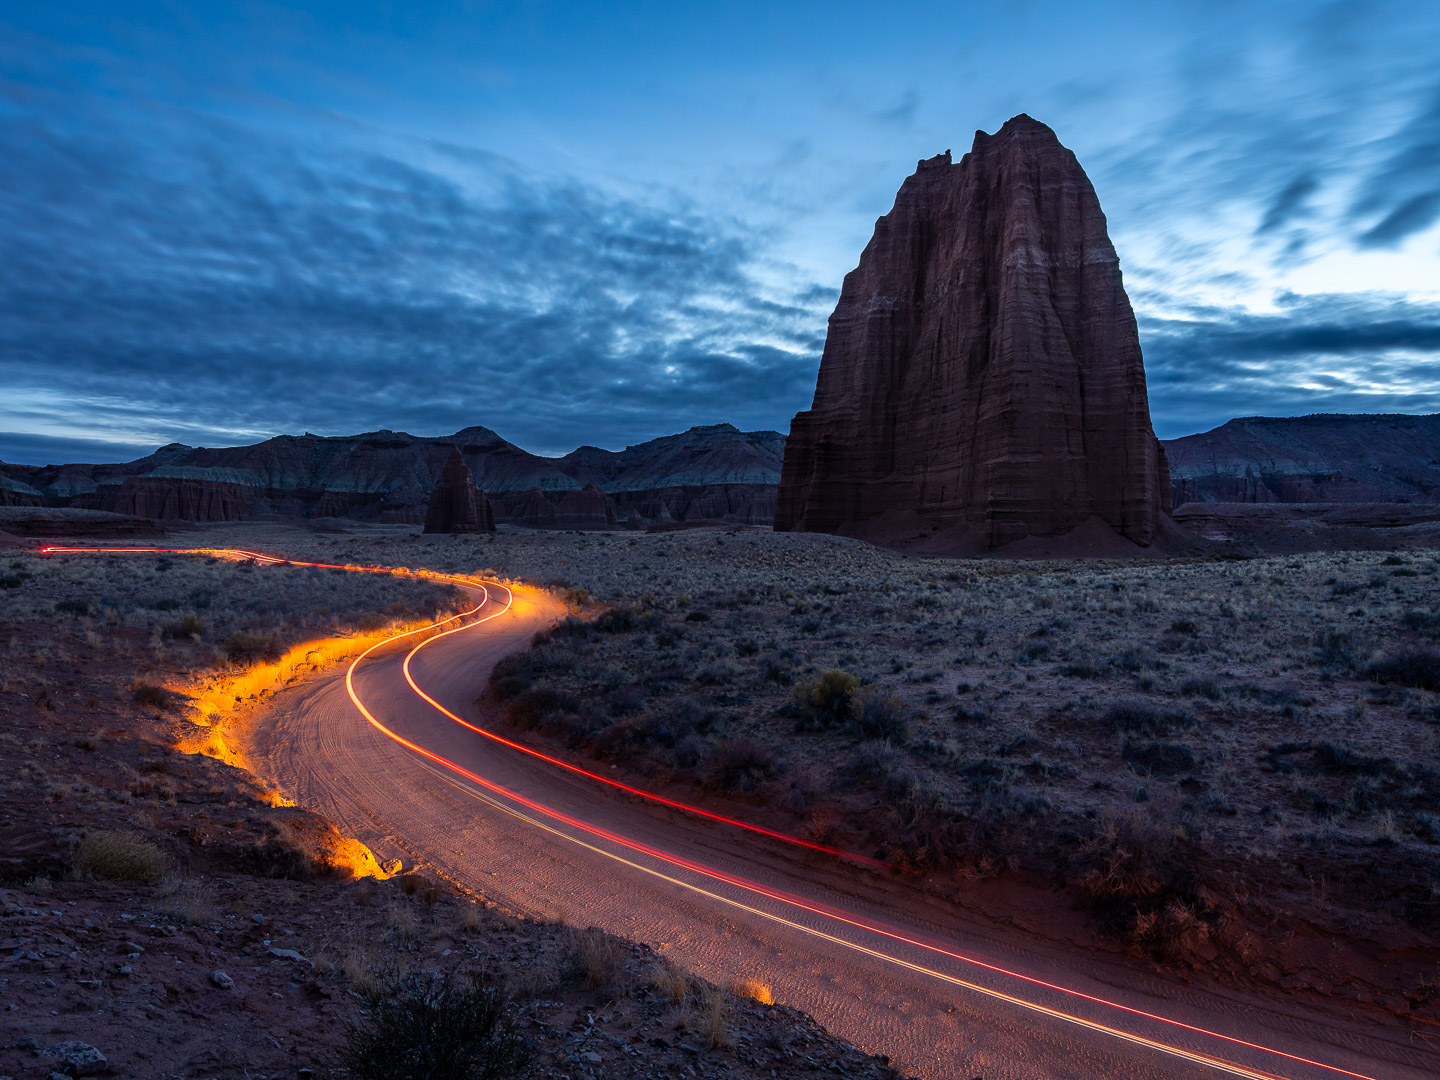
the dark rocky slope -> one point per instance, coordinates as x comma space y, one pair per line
707, 473
1324, 458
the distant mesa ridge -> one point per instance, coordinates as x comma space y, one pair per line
1321, 458
982, 380
712, 473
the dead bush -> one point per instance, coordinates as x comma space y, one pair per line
436, 1025
118, 856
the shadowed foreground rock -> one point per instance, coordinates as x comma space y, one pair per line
982, 381
456, 505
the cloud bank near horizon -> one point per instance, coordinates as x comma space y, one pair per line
192, 255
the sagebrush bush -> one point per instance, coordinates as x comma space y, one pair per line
827, 702
187, 626
118, 856
879, 714
1138, 717
618, 620
156, 697
739, 764
532, 708
244, 647
434, 1026
1335, 650
1419, 668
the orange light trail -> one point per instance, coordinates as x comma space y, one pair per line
756, 888
240, 553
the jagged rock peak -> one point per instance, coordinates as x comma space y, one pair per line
982, 374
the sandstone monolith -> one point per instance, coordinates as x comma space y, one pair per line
456, 505
982, 380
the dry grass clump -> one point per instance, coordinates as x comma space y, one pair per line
597, 957
755, 990
714, 1015
118, 856
191, 900
672, 983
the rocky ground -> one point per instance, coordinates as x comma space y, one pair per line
165, 912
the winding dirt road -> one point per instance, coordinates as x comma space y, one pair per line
872, 958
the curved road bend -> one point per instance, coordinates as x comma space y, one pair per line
935, 1015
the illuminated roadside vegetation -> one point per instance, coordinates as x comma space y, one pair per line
236, 630
241, 612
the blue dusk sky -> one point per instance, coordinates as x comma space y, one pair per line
578, 223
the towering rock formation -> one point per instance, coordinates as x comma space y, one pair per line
982, 379
456, 506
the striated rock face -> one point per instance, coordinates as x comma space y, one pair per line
710, 473
982, 380
588, 508
70, 523
456, 506
173, 498
1325, 458
18, 493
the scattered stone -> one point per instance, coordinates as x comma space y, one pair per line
79, 1059
29, 1042
289, 954
257, 918
223, 981
592, 1057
